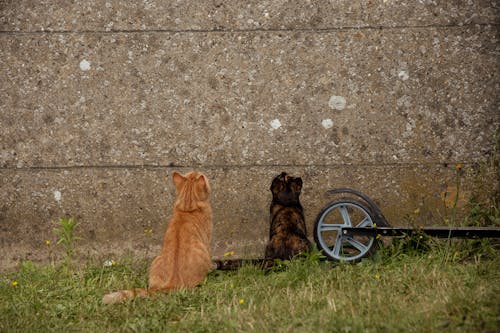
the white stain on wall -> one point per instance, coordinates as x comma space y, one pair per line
275, 124
84, 65
337, 102
403, 75
327, 123
57, 195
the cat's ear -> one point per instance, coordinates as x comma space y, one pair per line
297, 184
178, 179
202, 183
275, 184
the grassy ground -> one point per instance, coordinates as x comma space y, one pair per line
403, 288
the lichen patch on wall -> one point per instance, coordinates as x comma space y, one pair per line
275, 124
337, 103
84, 65
403, 75
327, 123
57, 196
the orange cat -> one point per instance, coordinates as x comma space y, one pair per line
184, 260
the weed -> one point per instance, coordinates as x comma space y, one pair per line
483, 214
417, 243
67, 238
458, 176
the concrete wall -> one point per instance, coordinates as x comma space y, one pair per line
101, 100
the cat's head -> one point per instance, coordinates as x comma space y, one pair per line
192, 190
286, 189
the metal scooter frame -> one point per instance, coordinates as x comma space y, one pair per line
354, 239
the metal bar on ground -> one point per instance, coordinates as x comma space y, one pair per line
440, 232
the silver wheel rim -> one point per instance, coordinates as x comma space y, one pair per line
344, 248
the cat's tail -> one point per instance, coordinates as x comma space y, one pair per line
124, 295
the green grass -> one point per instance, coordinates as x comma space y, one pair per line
403, 288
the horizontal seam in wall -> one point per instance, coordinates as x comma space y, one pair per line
236, 166
188, 31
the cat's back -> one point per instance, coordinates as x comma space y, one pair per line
188, 227
286, 214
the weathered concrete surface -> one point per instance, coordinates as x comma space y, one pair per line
205, 98
109, 15
100, 102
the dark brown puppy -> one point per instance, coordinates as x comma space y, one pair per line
287, 234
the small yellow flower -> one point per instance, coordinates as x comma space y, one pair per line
148, 231
229, 253
458, 166
378, 236
47, 243
241, 301
13, 283
377, 276
374, 225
